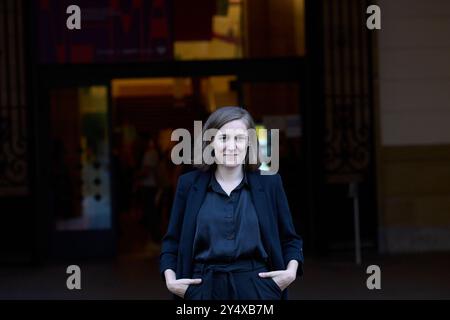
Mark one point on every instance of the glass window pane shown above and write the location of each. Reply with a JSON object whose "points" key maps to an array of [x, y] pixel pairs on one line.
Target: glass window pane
{"points": [[80, 162]]}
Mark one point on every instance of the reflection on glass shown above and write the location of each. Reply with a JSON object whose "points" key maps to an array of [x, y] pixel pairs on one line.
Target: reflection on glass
{"points": [[215, 91], [234, 29], [263, 147], [81, 165], [222, 38]]}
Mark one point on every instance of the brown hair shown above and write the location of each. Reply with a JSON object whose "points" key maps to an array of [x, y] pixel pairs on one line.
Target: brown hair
{"points": [[218, 119]]}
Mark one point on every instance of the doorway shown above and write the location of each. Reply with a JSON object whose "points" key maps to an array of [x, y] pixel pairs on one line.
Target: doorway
{"points": [[80, 177], [145, 111]]}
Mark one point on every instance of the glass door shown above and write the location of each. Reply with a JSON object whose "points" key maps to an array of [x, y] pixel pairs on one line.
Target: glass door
{"points": [[80, 172]]}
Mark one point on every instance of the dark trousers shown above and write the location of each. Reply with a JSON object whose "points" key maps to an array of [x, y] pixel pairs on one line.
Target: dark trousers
{"points": [[234, 281]]}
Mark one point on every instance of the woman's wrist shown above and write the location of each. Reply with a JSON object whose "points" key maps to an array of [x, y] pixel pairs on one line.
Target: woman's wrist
{"points": [[170, 276], [292, 268]]}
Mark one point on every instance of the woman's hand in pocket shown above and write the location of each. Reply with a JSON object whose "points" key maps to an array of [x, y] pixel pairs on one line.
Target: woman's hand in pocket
{"points": [[282, 278], [180, 286]]}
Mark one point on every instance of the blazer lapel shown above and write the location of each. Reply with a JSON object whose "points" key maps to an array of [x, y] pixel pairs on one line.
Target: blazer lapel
{"points": [[263, 209], [193, 204], [197, 195]]}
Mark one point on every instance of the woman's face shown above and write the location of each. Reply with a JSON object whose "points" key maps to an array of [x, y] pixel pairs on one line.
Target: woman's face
{"points": [[230, 144]]}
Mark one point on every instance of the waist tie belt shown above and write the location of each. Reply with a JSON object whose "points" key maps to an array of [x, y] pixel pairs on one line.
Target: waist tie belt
{"points": [[210, 270]]}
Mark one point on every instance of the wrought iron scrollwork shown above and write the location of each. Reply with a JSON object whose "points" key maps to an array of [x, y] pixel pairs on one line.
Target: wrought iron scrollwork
{"points": [[13, 146], [348, 123]]}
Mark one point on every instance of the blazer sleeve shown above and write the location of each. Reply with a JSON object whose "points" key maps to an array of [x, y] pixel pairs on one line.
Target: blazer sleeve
{"points": [[291, 242], [170, 242]]}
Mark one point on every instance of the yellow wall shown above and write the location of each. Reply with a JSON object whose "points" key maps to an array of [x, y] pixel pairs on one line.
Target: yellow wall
{"points": [[415, 198], [414, 131]]}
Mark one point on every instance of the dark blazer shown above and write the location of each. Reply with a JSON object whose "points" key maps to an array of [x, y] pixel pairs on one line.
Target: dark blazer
{"points": [[280, 240]]}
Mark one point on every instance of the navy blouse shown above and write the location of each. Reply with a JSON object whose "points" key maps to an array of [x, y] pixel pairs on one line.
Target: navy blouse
{"points": [[227, 226]]}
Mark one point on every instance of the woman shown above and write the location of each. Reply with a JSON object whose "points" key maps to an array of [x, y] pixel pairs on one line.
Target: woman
{"points": [[230, 234]]}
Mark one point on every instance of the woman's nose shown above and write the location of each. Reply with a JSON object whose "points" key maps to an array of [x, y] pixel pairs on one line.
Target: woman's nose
{"points": [[231, 145]]}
